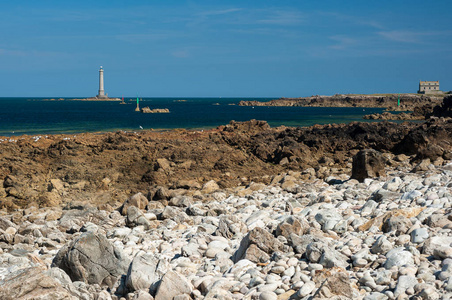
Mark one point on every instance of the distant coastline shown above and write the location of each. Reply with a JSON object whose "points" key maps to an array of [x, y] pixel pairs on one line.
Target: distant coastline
{"points": [[96, 99], [388, 101]]}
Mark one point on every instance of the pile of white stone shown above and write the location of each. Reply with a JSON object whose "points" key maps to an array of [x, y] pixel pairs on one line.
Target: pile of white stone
{"points": [[385, 238]]}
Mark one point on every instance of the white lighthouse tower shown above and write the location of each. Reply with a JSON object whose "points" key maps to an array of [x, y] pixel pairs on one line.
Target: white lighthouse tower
{"points": [[101, 94]]}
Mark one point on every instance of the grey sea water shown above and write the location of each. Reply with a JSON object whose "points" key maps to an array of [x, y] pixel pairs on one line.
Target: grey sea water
{"points": [[35, 116]]}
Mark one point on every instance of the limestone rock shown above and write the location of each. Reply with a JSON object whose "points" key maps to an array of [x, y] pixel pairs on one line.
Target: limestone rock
{"points": [[300, 244], [91, 258], [419, 235], [181, 201], [435, 242], [398, 257], [32, 283], [144, 273], [229, 226], [318, 252], [172, 285], [135, 217]]}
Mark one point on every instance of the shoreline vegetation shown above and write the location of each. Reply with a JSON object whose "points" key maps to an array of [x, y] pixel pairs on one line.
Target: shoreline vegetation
{"points": [[242, 211]]}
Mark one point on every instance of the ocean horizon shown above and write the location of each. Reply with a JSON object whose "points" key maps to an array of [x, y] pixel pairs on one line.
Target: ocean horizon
{"points": [[54, 115]]}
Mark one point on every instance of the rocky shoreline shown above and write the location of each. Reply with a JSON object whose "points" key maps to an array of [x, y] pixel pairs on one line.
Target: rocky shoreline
{"points": [[424, 112], [403, 116], [243, 211], [105, 169], [383, 238], [389, 101]]}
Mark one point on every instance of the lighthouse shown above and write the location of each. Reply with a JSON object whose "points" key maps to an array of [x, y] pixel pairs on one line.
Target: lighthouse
{"points": [[101, 84], [101, 95]]}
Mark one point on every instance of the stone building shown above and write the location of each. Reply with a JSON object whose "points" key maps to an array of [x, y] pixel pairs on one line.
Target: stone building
{"points": [[429, 87]]}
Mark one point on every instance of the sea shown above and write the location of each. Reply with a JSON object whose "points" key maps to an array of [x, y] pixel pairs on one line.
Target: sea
{"points": [[39, 116]]}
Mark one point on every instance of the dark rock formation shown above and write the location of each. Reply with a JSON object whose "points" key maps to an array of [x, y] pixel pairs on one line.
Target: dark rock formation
{"points": [[367, 163], [99, 170], [443, 110], [391, 116]]}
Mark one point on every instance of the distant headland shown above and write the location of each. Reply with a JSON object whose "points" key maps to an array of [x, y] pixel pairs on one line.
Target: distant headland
{"points": [[392, 102]]}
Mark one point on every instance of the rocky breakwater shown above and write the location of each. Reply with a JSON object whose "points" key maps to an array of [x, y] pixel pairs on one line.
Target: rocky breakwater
{"points": [[389, 101], [388, 237]]}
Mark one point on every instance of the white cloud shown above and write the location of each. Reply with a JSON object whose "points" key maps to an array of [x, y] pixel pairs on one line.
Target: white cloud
{"points": [[343, 42], [281, 17], [219, 12], [411, 36]]}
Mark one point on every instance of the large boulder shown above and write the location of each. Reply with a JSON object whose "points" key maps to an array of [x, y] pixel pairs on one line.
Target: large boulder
{"points": [[135, 217], [91, 258], [145, 272], [292, 225], [258, 244], [367, 163], [137, 200], [172, 285], [32, 283]]}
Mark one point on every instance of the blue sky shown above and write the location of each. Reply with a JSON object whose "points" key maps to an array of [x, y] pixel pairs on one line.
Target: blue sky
{"points": [[223, 48]]}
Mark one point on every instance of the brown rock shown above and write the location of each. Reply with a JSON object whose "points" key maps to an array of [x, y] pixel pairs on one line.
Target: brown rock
{"points": [[164, 164], [336, 283], [380, 220], [423, 166], [32, 283], [210, 187], [262, 239], [138, 200], [292, 225], [254, 254], [438, 220], [367, 163], [400, 224]]}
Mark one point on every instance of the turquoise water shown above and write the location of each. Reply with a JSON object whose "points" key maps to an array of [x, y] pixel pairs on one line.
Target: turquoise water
{"points": [[34, 116]]}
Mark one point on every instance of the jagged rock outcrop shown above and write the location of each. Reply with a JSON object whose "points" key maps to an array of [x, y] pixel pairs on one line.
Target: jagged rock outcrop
{"points": [[104, 170]]}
